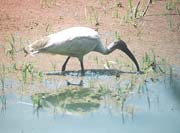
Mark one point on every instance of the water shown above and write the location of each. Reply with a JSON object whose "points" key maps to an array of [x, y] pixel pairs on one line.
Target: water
{"points": [[153, 108]]}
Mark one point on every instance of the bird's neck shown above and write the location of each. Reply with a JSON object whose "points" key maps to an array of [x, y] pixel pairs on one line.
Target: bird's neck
{"points": [[105, 50], [109, 49]]}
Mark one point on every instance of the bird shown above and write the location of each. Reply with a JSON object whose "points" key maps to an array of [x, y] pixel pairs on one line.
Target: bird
{"points": [[77, 42]]}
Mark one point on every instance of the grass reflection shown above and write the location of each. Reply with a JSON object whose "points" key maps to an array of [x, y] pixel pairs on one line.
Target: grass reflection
{"points": [[69, 100]]}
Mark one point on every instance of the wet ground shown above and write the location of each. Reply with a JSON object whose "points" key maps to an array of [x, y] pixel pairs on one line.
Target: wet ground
{"points": [[97, 102], [115, 100]]}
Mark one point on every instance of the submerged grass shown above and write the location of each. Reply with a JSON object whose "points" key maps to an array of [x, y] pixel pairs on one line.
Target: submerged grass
{"points": [[3, 96]]}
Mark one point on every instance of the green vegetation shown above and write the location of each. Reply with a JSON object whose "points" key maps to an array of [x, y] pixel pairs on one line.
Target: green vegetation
{"points": [[79, 99], [109, 64], [2, 86], [96, 59], [28, 72], [117, 36], [116, 9], [130, 16], [11, 50], [171, 5], [92, 16], [54, 66], [150, 64], [28, 69], [47, 3], [131, 8]]}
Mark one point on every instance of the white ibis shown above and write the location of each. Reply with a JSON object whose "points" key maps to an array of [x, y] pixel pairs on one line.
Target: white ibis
{"points": [[77, 42]]}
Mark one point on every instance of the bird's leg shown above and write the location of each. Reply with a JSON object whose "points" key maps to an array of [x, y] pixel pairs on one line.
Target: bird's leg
{"points": [[64, 65], [82, 67]]}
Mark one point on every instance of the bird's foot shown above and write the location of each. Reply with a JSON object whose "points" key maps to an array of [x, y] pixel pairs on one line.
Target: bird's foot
{"points": [[63, 71], [139, 72], [63, 68], [82, 73]]}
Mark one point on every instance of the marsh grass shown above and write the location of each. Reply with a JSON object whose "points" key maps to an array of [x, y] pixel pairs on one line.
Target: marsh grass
{"points": [[116, 11], [54, 65], [135, 12], [14, 67], [15, 45], [40, 75], [27, 71], [154, 69], [92, 16], [96, 59], [11, 49], [117, 36], [149, 62], [129, 17], [170, 23], [48, 28], [171, 5], [47, 3], [74, 99], [3, 99], [3, 95], [110, 64], [131, 8], [170, 75], [178, 10]]}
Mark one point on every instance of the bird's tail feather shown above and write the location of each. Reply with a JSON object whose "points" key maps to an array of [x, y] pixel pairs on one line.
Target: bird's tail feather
{"points": [[37, 46]]}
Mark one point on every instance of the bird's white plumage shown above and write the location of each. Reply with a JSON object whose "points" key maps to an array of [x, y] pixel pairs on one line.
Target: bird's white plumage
{"points": [[71, 33], [76, 41]]}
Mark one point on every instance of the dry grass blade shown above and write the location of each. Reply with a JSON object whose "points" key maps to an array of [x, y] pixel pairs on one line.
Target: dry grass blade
{"points": [[136, 9], [147, 7]]}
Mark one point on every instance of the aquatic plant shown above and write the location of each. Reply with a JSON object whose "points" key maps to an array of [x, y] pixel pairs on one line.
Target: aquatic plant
{"points": [[170, 74], [40, 75], [11, 50], [149, 62], [3, 96], [28, 69]]}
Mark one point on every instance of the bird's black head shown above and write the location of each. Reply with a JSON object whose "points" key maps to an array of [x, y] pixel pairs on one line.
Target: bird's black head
{"points": [[121, 45]]}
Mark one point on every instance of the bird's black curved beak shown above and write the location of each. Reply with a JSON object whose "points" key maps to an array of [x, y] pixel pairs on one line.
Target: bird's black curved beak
{"points": [[126, 50]]}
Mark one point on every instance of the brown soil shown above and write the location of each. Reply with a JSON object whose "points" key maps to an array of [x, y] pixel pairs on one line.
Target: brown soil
{"points": [[28, 20]]}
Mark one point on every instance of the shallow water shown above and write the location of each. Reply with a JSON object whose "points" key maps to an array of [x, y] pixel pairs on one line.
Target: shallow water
{"points": [[73, 103]]}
